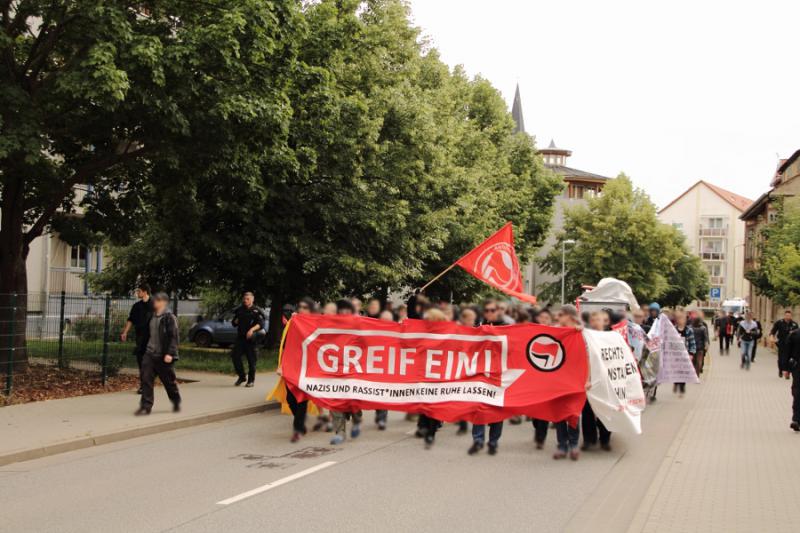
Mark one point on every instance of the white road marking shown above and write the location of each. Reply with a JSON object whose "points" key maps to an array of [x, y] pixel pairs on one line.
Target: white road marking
{"points": [[278, 483]]}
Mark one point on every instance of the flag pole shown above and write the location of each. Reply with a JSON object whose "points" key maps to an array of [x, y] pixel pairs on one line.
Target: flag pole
{"points": [[439, 275]]}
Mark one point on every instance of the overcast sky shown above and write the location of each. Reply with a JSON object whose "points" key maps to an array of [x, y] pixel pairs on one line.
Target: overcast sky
{"points": [[668, 92]]}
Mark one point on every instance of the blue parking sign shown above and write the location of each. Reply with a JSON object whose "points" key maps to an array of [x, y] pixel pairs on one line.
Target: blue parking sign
{"points": [[716, 293]]}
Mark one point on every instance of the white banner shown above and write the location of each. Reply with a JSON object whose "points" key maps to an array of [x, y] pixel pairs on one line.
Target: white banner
{"points": [[616, 394]]}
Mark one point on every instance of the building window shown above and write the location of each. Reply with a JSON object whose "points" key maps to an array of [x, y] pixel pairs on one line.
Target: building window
{"points": [[678, 225], [772, 216], [78, 257], [715, 222]]}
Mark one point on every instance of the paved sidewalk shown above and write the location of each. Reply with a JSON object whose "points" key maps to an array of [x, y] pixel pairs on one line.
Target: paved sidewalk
{"points": [[734, 464], [39, 429]]}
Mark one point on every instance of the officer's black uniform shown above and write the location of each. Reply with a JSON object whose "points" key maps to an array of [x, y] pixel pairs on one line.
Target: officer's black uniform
{"points": [[792, 364], [139, 317], [245, 318], [781, 331]]}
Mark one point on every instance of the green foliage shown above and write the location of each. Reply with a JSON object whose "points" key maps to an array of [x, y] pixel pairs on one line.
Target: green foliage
{"points": [[125, 97], [778, 274], [393, 167], [618, 234], [92, 327]]}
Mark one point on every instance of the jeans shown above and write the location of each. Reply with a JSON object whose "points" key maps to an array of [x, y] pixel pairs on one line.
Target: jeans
{"points": [[479, 433], [381, 415], [747, 351], [567, 436]]}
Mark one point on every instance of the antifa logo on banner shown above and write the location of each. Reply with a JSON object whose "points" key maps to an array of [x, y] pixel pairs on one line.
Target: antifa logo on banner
{"points": [[545, 353], [496, 265]]}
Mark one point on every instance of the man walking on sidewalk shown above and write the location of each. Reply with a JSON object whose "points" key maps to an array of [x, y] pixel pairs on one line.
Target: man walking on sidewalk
{"points": [[161, 352], [248, 319], [780, 335], [791, 365], [137, 319]]}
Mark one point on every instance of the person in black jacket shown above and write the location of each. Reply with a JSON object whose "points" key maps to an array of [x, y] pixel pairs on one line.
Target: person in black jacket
{"points": [[137, 319], [780, 335], [792, 366], [248, 319], [161, 352]]}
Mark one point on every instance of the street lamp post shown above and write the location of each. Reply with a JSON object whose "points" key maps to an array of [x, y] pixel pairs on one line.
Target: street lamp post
{"points": [[564, 244]]}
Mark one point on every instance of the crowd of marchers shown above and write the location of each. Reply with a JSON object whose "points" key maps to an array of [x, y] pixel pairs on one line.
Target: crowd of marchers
{"points": [[156, 349]]}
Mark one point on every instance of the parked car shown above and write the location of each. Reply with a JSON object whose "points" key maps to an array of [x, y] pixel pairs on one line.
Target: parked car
{"points": [[219, 331]]}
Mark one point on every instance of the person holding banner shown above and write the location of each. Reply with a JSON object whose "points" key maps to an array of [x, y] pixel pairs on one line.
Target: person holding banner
{"points": [[492, 316], [346, 307], [540, 427], [427, 425], [590, 424], [567, 435], [688, 338]]}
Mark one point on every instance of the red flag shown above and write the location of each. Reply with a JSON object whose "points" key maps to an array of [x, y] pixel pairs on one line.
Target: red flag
{"points": [[495, 263]]}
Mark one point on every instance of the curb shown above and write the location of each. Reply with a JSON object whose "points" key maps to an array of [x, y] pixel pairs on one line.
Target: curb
{"points": [[132, 433]]}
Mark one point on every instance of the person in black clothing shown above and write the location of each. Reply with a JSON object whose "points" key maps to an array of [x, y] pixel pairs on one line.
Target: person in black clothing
{"points": [[702, 343], [652, 314], [306, 306], [248, 319], [161, 352], [137, 319], [780, 335], [792, 367], [591, 426], [491, 317]]}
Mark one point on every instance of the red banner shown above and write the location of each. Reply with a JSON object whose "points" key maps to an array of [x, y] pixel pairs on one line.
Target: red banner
{"points": [[495, 263], [444, 370]]}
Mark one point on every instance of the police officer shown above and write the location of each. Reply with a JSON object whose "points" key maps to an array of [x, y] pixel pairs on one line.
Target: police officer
{"points": [[138, 319], [780, 335], [248, 319]]}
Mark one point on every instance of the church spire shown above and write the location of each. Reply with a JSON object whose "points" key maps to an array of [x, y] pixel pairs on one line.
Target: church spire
{"points": [[516, 112]]}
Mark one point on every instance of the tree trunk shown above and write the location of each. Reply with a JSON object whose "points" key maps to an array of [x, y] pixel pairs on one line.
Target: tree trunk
{"points": [[13, 291], [275, 323]]}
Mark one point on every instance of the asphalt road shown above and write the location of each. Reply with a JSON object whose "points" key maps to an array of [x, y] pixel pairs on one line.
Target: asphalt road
{"points": [[382, 481]]}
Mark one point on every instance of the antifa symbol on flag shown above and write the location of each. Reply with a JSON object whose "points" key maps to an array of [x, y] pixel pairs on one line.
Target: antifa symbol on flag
{"points": [[545, 353], [495, 262]]}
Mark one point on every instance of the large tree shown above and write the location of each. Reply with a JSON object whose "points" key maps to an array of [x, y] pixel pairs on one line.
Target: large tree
{"points": [[397, 165], [117, 96], [618, 234], [778, 272]]}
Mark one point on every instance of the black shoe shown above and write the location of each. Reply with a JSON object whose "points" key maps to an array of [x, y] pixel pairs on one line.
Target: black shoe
{"points": [[239, 381], [429, 440], [176, 407], [515, 420], [795, 425], [492, 449], [249, 384], [140, 391], [475, 448], [420, 433], [606, 446], [142, 411]]}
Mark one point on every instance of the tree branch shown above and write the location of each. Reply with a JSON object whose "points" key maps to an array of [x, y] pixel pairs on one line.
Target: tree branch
{"points": [[82, 175]]}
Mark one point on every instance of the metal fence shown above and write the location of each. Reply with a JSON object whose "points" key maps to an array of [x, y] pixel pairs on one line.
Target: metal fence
{"points": [[56, 337]]}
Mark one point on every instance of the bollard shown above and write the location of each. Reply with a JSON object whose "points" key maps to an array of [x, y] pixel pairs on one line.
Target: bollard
{"points": [[61, 361], [106, 331], [11, 344]]}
